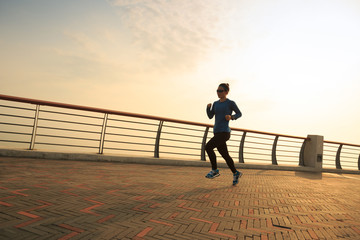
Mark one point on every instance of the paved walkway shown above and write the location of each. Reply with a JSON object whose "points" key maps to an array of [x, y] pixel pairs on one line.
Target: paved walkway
{"points": [[48, 199]]}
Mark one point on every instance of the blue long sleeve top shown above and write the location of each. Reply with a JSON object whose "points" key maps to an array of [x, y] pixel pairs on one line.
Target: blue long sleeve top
{"points": [[220, 110]]}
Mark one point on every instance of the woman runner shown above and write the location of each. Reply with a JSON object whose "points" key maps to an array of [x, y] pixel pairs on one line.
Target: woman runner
{"points": [[222, 109]]}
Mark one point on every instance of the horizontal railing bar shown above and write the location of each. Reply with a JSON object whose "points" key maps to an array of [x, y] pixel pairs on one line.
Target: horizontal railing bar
{"points": [[176, 140], [64, 145], [258, 148], [232, 145], [93, 109], [344, 161], [269, 154], [287, 151], [328, 155], [237, 135], [120, 120], [343, 152], [289, 146], [162, 145], [16, 124], [260, 160], [280, 155], [21, 108], [67, 129], [71, 122], [230, 140], [229, 145], [330, 151], [265, 160], [268, 144], [56, 136], [283, 140], [188, 154], [182, 128], [348, 157], [344, 144], [133, 143], [71, 114], [15, 133], [125, 135], [331, 146], [345, 147], [14, 141], [270, 139], [180, 134], [133, 129], [263, 154], [11, 115], [125, 149]]}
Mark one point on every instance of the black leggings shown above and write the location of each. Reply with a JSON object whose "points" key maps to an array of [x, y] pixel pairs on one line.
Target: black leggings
{"points": [[219, 142]]}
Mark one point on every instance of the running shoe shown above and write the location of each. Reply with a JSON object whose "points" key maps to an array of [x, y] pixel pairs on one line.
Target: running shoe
{"points": [[237, 175], [213, 174]]}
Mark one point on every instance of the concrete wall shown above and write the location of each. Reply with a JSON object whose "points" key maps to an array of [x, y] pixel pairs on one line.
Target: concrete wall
{"points": [[17, 153]]}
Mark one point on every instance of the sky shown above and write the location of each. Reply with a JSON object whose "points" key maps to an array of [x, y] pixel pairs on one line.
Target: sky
{"points": [[293, 66]]}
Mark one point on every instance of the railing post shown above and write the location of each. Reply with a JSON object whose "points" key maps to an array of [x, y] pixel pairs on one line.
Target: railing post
{"points": [[102, 136], [313, 152], [33, 135], [302, 151], [273, 153], [203, 155], [337, 160], [241, 148], [359, 162], [157, 142]]}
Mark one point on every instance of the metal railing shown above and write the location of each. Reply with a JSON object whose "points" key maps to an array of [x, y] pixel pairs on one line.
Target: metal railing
{"points": [[341, 155], [37, 124]]}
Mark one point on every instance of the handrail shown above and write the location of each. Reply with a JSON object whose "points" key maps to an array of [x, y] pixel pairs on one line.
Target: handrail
{"points": [[108, 111], [341, 143]]}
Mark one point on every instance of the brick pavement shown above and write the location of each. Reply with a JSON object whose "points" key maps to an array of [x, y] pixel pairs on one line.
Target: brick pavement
{"points": [[48, 199]]}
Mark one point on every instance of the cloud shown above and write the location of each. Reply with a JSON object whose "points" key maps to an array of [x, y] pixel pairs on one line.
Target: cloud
{"points": [[139, 40], [172, 34]]}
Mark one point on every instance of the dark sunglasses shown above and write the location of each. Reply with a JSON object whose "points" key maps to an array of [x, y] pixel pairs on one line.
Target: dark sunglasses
{"points": [[220, 91]]}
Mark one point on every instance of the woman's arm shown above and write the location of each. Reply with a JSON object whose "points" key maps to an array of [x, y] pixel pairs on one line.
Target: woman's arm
{"points": [[210, 111], [235, 108]]}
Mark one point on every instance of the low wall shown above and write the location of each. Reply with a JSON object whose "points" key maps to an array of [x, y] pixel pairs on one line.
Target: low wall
{"points": [[19, 153]]}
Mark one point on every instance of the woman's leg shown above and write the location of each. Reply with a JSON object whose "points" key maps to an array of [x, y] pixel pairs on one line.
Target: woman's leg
{"points": [[210, 151], [223, 150]]}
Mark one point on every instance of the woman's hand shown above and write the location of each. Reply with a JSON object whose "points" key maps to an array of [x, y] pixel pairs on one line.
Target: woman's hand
{"points": [[228, 117], [209, 105]]}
